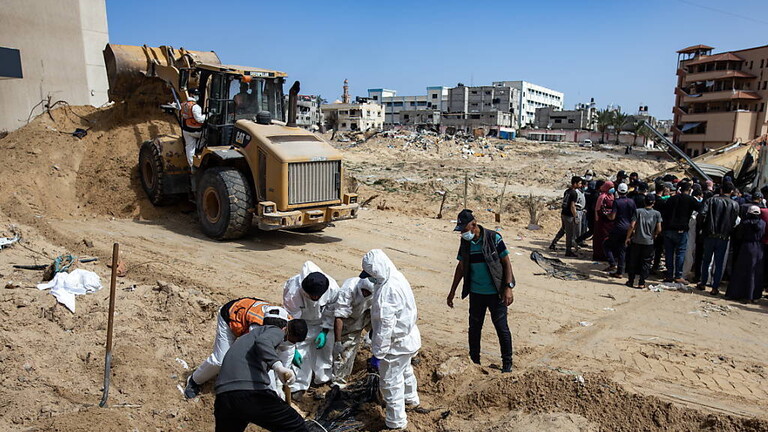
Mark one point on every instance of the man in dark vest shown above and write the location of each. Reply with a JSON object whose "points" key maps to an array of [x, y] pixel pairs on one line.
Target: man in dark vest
{"points": [[488, 281]]}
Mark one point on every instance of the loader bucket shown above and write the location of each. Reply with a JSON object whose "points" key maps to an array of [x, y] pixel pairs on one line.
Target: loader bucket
{"points": [[132, 71]]}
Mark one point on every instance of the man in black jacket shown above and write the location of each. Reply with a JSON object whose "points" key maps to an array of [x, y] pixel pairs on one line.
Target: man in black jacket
{"points": [[719, 219], [677, 216], [242, 388], [488, 281]]}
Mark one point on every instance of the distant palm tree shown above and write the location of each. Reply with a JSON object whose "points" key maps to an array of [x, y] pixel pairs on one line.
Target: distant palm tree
{"points": [[620, 120], [604, 119], [637, 127]]}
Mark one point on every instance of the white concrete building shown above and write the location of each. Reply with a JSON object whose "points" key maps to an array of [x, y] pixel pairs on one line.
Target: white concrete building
{"points": [[532, 96], [353, 116], [58, 46], [436, 99]]}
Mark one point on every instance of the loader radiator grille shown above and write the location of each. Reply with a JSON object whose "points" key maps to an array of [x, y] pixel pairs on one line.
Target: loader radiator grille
{"points": [[311, 182]]}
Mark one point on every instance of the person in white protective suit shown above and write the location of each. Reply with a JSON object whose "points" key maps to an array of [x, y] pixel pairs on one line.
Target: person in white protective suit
{"points": [[353, 315], [396, 338], [312, 295], [235, 319]]}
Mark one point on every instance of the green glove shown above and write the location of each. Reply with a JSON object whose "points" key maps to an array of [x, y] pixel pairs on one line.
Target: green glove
{"points": [[297, 360], [320, 340]]}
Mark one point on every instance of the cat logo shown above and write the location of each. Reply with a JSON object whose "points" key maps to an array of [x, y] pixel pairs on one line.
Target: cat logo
{"points": [[242, 138]]}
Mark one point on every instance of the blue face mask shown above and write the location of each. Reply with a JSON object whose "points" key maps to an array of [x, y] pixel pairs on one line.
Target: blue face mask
{"points": [[468, 235], [611, 190], [372, 280]]}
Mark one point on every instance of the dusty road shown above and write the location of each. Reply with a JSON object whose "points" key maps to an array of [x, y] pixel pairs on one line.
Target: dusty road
{"points": [[683, 347]]}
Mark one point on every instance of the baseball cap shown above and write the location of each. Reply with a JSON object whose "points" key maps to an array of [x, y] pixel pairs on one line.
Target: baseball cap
{"points": [[622, 188], [465, 217], [754, 210], [589, 172], [650, 199], [315, 284]]}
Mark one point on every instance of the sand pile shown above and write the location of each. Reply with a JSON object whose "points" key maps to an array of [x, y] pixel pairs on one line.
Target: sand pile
{"points": [[48, 172]]}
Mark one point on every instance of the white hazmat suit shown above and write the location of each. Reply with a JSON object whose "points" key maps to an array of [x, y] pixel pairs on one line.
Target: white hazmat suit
{"points": [[396, 338], [354, 309], [319, 315]]}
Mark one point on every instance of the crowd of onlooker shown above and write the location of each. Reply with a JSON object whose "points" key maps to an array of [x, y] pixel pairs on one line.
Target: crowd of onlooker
{"points": [[705, 232]]}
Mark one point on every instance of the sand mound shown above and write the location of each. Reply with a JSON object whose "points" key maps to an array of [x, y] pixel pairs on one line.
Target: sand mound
{"points": [[48, 172], [467, 397]]}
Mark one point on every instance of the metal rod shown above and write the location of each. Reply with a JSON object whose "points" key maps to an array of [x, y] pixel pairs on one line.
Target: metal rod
{"points": [[466, 184], [110, 323]]}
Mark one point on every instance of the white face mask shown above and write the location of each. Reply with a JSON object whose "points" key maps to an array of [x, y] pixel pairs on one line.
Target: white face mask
{"points": [[587, 177], [468, 235]]}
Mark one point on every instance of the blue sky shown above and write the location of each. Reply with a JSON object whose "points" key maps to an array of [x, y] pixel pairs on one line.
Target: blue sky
{"points": [[620, 52]]}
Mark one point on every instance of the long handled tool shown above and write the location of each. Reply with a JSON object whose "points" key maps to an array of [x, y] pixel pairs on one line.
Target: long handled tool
{"points": [[108, 356], [287, 391]]}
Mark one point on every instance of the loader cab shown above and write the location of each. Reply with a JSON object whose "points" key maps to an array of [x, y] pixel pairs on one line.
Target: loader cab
{"points": [[229, 94]]}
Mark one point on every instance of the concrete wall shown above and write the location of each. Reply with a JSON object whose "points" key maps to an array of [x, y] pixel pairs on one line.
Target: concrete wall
{"points": [[722, 128], [60, 43]]}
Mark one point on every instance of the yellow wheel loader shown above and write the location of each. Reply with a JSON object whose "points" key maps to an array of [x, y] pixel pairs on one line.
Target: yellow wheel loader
{"points": [[250, 163]]}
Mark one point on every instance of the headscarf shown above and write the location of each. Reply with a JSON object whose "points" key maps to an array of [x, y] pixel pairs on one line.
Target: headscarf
{"points": [[604, 199]]}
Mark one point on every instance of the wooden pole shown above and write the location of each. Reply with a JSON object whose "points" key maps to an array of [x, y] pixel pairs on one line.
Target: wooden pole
{"points": [[110, 325], [442, 203], [501, 198]]}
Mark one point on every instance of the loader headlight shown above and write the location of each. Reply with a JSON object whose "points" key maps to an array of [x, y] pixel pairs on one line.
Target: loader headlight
{"points": [[349, 198], [267, 207]]}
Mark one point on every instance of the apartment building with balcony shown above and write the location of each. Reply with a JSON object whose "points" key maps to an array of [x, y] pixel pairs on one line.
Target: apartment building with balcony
{"points": [[719, 98]]}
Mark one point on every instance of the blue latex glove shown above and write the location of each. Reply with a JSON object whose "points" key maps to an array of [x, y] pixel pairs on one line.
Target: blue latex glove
{"points": [[374, 362], [297, 360], [320, 340]]}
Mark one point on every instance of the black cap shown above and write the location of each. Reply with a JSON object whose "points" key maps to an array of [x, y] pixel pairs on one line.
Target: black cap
{"points": [[621, 174], [650, 199], [315, 284], [364, 275], [465, 217]]}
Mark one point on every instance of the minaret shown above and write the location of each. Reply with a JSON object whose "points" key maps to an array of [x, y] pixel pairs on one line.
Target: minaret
{"points": [[345, 96]]}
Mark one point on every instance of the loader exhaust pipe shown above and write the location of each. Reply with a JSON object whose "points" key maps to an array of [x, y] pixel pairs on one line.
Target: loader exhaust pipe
{"points": [[293, 101]]}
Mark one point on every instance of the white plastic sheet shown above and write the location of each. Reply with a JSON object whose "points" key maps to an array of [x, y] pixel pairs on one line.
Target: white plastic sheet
{"points": [[65, 286]]}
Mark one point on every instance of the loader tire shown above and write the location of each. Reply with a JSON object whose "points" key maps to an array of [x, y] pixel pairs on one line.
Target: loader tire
{"points": [[224, 203], [151, 172]]}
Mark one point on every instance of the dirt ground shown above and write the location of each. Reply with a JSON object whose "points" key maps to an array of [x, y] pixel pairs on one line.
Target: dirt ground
{"points": [[590, 355]]}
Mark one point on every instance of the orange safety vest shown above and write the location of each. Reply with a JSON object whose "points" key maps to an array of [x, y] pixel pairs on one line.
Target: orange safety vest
{"points": [[188, 117], [246, 312]]}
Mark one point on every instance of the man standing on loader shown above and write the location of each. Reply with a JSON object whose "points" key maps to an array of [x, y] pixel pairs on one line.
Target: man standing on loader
{"points": [[192, 119]]}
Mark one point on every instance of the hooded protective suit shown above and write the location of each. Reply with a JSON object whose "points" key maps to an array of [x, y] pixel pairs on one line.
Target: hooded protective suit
{"points": [[354, 309], [319, 315], [396, 338]]}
